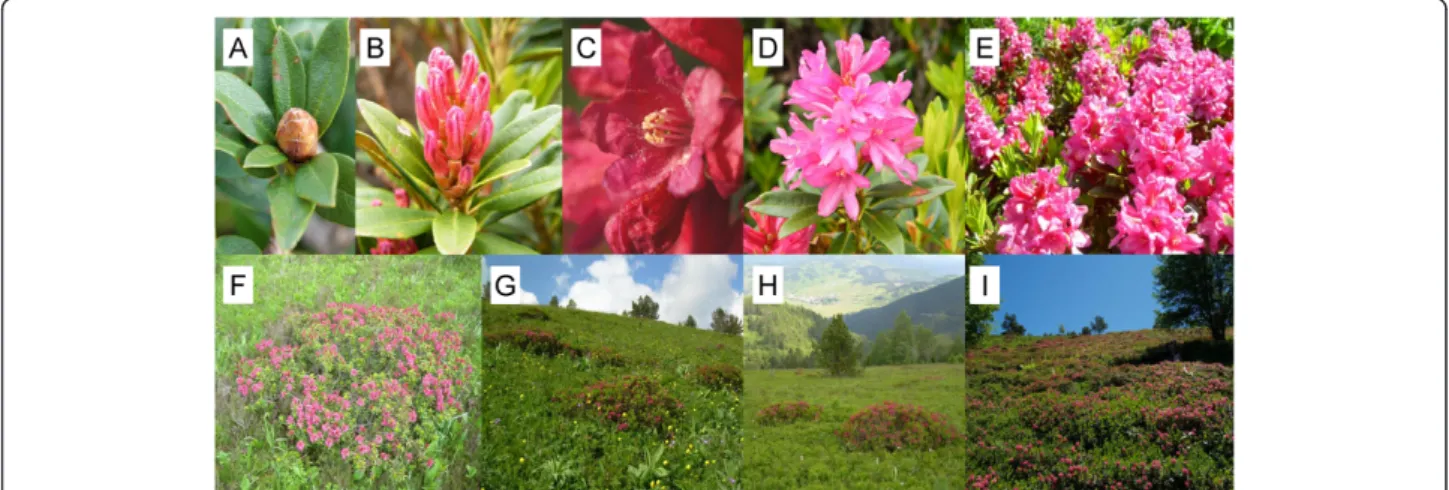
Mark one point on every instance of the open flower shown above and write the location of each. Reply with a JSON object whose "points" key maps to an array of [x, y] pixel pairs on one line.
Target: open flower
{"points": [[1153, 221], [667, 146], [1042, 217], [453, 115], [766, 238]]}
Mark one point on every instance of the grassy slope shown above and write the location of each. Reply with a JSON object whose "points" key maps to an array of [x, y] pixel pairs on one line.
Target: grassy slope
{"points": [[530, 443], [287, 288], [1101, 409], [808, 454]]}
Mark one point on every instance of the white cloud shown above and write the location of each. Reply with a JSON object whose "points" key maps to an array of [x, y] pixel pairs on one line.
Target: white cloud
{"points": [[561, 280], [695, 285], [609, 288], [529, 298], [567, 262]]}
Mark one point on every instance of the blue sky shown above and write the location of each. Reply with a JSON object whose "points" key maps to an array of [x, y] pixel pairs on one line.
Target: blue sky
{"points": [[1045, 291], [683, 285]]}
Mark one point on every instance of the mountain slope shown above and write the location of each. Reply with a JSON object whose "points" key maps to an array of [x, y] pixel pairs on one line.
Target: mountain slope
{"points": [[939, 308]]}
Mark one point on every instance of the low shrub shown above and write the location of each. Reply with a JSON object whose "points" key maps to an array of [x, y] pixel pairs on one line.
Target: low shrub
{"points": [[540, 343], [787, 412], [366, 384], [720, 377], [893, 426], [628, 402]]}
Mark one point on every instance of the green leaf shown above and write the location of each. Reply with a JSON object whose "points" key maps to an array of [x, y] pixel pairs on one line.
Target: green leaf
{"points": [[517, 102], [289, 74], [801, 220], [453, 232], [393, 222], [343, 212], [245, 109], [236, 245], [328, 76], [317, 180], [339, 135], [521, 135], [882, 228], [491, 244], [784, 204], [926, 188], [227, 167], [265, 156], [230, 143], [844, 242], [501, 171], [289, 212], [402, 149], [264, 31], [536, 53], [524, 190]]}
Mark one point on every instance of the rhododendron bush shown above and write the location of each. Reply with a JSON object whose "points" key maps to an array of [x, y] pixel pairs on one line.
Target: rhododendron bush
{"points": [[1100, 136], [852, 145], [653, 144], [481, 171], [284, 139]]}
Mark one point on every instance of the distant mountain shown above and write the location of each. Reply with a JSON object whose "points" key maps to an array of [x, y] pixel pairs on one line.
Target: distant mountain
{"points": [[940, 308], [839, 285]]}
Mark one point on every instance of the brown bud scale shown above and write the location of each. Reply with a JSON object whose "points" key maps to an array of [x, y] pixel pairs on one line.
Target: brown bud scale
{"points": [[297, 135]]}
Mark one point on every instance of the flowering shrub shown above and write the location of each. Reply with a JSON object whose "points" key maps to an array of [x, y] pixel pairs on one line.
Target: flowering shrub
{"points": [[482, 152], [720, 376], [363, 384], [846, 133], [1137, 128], [629, 402], [541, 343], [787, 413], [280, 159], [892, 427], [654, 158]]}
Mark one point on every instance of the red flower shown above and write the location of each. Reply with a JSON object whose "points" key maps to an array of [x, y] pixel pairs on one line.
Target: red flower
{"points": [[667, 146], [767, 240]]}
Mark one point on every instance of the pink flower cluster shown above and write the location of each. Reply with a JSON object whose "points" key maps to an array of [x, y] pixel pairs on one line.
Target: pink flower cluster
{"points": [[1042, 217], [1168, 123], [453, 115], [892, 426], [361, 378], [767, 240], [851, 117]]}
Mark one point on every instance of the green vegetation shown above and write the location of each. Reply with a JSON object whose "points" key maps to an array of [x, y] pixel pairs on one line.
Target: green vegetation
{"points": [[804, 452], [253, 449], [577, 399]]}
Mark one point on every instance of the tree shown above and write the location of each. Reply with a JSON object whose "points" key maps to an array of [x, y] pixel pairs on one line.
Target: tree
{"points": [[644, 307], [978, 317], [1009, 326], [726, 323], [689, 322], [1098, 325], [1062, 329], [1086, 330], [838, 351], [572, 305], [1195, 291], [553, 301]]}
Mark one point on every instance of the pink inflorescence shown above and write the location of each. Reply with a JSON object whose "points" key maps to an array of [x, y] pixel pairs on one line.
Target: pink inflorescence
{"points": [[850, 118], [453, 115], [1042, 216]]}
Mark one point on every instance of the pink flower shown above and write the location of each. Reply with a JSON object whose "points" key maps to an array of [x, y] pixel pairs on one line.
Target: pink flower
{"points": [[301, 445], [1041, 216], [453, 116], [1153, 221], [1217, 224], [767, 240], [346, 452], [1095, 139], [838, 188], [986, 140]]}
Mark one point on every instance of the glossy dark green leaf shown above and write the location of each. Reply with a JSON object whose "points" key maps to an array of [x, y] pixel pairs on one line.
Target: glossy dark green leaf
{"points": [[882, 228], [236, 245], [290, 212], [227, 166], [501, 171], [343, 212], [783, 203], [522, 135], [264, 32], [453, 232], [328, 73], [289, 74], [339, 137], [801, 220], [926, 188], [843, 243], [393, 222], [524, 190], [229, 141], [491, 244], [317, 180], [245, 109], [264, 156], [398, 140]]}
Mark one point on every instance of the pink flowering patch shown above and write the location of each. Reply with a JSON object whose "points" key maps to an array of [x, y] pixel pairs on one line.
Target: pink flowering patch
{"points": [[787, 413], [360, 381], [630, 402], [892, 427]]}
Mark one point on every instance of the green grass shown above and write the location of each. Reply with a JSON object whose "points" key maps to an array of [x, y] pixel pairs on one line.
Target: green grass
{"points": [[529, 441], [252, 449], [809, 455]]}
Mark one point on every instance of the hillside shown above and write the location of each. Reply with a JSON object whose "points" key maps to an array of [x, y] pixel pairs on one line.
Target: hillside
{"points": [[577, 399], [939, 308], [849, 284], [775, 331]]}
